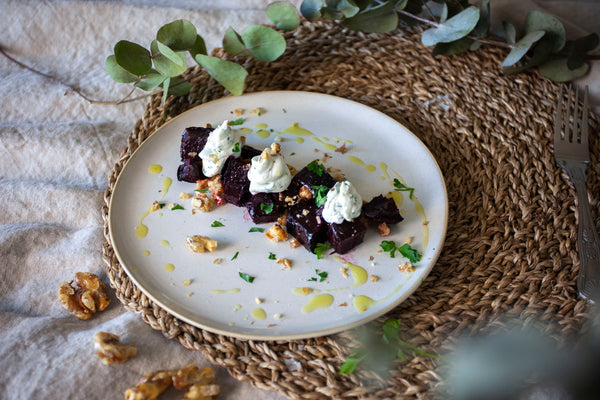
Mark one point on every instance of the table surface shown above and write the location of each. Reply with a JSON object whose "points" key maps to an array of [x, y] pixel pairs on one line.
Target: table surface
{"points": [[56, 151]]}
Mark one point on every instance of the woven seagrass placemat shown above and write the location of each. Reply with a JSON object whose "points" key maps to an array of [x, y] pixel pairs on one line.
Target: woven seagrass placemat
{"points": [[511, 244]]}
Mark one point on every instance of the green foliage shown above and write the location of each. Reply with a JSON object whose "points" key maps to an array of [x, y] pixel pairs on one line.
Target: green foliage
{"points": [[283, 15]]}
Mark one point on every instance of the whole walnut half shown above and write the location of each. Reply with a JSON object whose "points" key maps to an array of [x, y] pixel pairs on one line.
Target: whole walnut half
{"points": [[86, 297]]}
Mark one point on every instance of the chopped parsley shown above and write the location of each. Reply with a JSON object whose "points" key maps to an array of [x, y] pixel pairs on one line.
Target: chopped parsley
{"points": [[352, 361], [235, 255], [246, 277], [401, 187], [272, 256], [405, 250], [267, 208], [236, 147], [321, 248], [238, 121], [177, 207], [316, 167], [320, 194], [216, 224], [321, 276], [201, 190], [256, 229]]}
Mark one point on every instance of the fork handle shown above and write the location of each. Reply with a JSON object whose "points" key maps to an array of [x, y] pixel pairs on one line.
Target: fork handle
{"points": [[588, 281]]}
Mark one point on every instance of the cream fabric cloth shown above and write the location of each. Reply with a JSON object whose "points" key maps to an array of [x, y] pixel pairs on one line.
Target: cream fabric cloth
{"points": [[56, 151]]}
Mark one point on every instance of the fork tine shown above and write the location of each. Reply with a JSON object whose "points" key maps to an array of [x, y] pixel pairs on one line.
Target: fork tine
{"points": [[584, 118], [568, 129], [558, 119]]}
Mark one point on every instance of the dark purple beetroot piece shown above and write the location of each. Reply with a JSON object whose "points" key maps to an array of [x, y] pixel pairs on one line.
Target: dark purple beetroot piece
{"points": [[305, 223], [234, 177], [263, 207], [248, 152], [382, 209], [190, 170], [308, 178], [193, 140], [347, 235]]}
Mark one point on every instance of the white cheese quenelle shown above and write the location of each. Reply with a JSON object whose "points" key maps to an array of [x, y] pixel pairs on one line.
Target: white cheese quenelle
{"points": [[343, 203], [268, 172], [222, 142]]}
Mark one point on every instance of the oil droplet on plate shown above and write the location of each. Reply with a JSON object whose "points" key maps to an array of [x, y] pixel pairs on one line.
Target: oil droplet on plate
{"points": [[371, 168], [155, 169], [223, 291], [299, 140], [166, 184], [294, 129], [245, 130], [165, 243], [259, 314], [169, 267], [328, 146], [318, 301], [263, 134], [261, 126], [141, 231], [356, 160], [363, 303], [146, 253]]}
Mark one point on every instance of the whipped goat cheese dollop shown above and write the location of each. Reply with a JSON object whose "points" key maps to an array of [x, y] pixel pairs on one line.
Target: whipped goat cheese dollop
{"points": [[268, 172], [343, 203], [221, 143]]}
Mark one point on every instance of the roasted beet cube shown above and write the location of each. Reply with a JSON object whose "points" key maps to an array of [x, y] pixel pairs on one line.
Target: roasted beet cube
{"points": [[382, 209], [305, 223], [248, 152], [347, 235], [310, 179], [193, 140], [190, 170], [263, 207], [234, 177]]}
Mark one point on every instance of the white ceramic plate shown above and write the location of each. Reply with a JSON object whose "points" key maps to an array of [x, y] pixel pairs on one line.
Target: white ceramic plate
{"points": [[206, 290]]}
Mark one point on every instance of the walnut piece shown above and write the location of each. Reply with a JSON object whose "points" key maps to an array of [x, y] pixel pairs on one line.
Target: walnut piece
{"points": [[383, 229], [192, 375], [88, 296], [277, 233], [151, 385], [202, 202], [110, 349], [200, 244]]}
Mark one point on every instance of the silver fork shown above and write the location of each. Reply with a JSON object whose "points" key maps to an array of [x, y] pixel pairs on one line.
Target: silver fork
{"points": [[571, 152]]}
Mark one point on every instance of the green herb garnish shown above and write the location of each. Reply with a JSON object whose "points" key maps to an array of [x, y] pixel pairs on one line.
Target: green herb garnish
{"points": [[236, 147], [201, 190], [267, 208], [316, 167], [401, 187], [320, 195], [352, 361], [321, 248], [256, 229], [235, 255], [405, 250], [238, 121], [246, 277], [321, 276], [272, 256], [216, 224], [177, 207]]}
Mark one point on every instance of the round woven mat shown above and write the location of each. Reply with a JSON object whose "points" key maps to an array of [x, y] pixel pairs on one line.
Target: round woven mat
{"points": [[511, 244]]}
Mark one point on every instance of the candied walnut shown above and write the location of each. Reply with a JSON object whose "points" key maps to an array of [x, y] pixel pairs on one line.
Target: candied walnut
{"points": [[88, 296], [305, 193], [200, 244], [202, 202], [202, 392], [215, 188], [384, 229], [406, 267], [287, 263], [342, 149], [294, 243], [192, 375], [275, 148], [277, 233], [110, 349], [150, 386]]}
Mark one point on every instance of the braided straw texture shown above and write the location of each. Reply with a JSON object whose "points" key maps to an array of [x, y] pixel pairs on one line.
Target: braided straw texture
{"points": [[510, 251]]}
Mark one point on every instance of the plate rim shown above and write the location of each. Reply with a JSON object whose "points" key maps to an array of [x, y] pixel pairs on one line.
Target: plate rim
{"points": [[305, 335]]}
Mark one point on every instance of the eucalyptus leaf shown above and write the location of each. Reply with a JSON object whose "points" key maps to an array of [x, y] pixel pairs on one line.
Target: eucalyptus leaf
{"points": [[379, 19], [170, 54], [118, 73], [558, 70], [555, 31], [150, 81], [179, 87], [264, 43], [283, 15], [311, 9], [483, 25], [578, 49], [346, 7], [132, 57], [510, 32], [165, 85], [199, 46], [541, 52], [453, 29], [229, 74], [178, 35], [233, 43], [522, 47], [164, 65], [458, 46], [444, 13]]}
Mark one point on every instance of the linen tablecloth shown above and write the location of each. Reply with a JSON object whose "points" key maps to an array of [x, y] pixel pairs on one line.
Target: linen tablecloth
{"points": [[56, 151]]}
